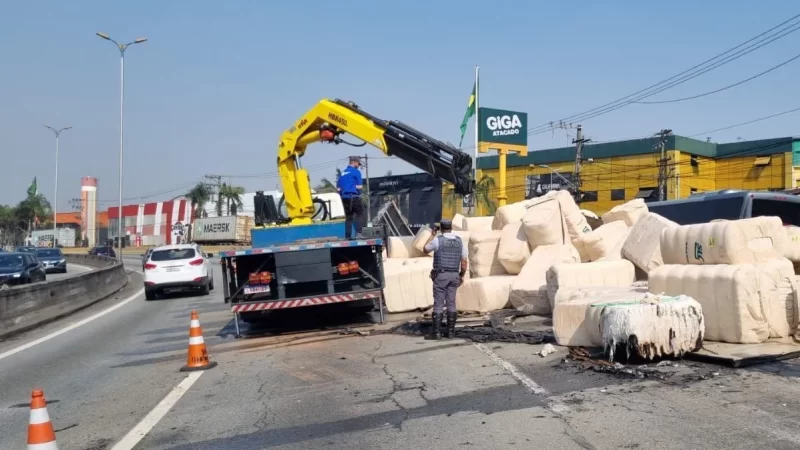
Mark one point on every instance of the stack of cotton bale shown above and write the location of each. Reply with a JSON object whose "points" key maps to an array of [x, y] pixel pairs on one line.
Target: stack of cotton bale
{"points": [[737, 271], [543, 237]]}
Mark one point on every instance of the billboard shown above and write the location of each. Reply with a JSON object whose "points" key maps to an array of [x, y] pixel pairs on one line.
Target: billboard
{"points": [[502, 127]]}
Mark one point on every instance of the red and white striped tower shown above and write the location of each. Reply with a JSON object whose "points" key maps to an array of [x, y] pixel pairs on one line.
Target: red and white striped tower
{"points": [[89, 209]]}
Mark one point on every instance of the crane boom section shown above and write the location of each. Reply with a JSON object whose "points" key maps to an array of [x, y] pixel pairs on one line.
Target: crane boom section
{"points": [[329, 119]]}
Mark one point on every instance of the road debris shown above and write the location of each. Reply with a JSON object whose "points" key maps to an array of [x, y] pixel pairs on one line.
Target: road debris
{"points": [[546, 350], [479, 333]]}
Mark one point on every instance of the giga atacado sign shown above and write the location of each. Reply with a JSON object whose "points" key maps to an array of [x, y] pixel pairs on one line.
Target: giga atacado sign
{"points": [[501, 126]]}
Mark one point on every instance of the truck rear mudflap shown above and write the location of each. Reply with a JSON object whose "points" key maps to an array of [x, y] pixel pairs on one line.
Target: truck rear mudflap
{"points": [[305, 301]]}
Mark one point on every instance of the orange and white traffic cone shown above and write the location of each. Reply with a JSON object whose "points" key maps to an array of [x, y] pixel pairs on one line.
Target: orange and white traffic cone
{"points": [[198, 354], [40, 430]]}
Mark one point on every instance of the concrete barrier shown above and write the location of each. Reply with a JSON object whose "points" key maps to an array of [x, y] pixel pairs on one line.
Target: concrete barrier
{"points": [[26, 307]]}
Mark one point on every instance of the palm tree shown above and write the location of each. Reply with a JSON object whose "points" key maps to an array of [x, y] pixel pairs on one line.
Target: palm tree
{"points": [[325, 185], [199, 196], [32, 210], [483, 190], [233, 197]]}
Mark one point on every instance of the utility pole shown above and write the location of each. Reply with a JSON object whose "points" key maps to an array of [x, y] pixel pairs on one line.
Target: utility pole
{"points": [[662, 163], [366, 184], [578, 141], [218, 179]]}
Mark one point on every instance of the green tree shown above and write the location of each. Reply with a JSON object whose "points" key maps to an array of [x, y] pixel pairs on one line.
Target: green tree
{"points": [[232, 196], [484, 189], [199, 196], [34, 210], [326, 186]]}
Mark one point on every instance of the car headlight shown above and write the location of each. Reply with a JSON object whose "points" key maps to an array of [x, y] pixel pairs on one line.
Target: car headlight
{"points": [[16, 275], [62, 261]]}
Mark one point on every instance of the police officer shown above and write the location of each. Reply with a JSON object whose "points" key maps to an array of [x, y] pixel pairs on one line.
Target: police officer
{"points": [[449, 267], [349, 186]]}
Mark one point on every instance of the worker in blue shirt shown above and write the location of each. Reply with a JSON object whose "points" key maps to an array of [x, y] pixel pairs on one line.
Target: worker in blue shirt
{"points": [[349, 186]]}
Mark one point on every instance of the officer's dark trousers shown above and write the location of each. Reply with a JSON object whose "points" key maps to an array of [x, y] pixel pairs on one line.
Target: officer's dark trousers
{"points": [[444, 291], [352, 216]]}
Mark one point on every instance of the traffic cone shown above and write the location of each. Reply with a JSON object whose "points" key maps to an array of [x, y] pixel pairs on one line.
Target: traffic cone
{"points": [[198, 354], [40, 430]]}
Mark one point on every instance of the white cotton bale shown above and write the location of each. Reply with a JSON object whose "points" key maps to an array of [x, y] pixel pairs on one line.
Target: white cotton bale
{"points": [[513, 250], [484, 294], [642, 247], [654, 327], [629, 212], [529, 291], [483, 257], [423, 234], [616, 252], [576, 323], [573, 218], [507, 214], [483, 223], [458, 222], [599, 274], [780, 287], [742, 302], [602, 241], [408, 285], [402, 247], [791, 250], [544, 224], [731, 242]]}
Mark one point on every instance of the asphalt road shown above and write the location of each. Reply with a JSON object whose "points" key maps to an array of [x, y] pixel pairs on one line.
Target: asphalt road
{"points": [[115, 378], [72, 270]]}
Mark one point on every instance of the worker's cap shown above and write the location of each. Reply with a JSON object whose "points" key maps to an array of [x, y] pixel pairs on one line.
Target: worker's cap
{"points": [[444, 223], [355, 159]]}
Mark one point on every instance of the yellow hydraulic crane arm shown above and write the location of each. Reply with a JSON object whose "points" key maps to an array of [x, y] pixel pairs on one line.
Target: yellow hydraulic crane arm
{"points": [[329, 119]]}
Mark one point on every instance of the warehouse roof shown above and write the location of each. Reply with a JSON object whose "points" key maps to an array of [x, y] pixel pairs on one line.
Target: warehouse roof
{"points": [[648, 145]]}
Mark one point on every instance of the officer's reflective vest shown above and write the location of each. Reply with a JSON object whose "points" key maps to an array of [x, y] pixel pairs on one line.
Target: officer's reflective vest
{"points": [[447, 257]]}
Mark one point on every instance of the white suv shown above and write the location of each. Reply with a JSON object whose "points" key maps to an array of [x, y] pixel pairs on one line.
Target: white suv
{"points": [[180, 266]]}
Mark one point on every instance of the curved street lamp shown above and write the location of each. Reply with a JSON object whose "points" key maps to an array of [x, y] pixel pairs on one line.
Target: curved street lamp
{"points": [[55, 198], [121, 48]]}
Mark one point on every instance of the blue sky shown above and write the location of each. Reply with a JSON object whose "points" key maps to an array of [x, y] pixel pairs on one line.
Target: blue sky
{"points": [[217, 82]]}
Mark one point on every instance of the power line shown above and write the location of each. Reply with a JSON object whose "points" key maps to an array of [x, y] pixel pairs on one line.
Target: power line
{"points": [[680, 77], [746, 123], [724, 88]]}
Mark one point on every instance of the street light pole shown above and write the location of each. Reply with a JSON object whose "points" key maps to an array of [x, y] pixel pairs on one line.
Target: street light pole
{"points": [[121, 48], [55, 198]]}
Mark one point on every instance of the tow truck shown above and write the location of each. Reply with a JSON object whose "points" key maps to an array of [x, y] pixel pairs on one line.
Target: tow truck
{"points": [[297, 261]]}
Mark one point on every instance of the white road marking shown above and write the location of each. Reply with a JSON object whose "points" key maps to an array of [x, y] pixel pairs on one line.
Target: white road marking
{"points": [[511, 369], [75, 325], [141, 429], [83, 268]]}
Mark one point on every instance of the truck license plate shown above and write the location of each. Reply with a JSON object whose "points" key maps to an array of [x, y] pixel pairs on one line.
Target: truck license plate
{"points": [[256, 289]]}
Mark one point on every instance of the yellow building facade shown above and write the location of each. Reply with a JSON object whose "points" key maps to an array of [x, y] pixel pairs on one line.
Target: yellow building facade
{"points": [[616, 172]]}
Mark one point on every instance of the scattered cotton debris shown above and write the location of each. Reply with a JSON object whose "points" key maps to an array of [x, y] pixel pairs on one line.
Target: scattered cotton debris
{"points": [[546, 350]]}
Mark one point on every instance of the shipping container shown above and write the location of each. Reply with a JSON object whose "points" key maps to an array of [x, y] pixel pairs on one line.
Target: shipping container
{"points": [[228, 229]]}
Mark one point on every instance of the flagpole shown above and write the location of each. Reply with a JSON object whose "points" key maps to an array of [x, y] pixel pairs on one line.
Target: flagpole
{"points": [[477, 125]]}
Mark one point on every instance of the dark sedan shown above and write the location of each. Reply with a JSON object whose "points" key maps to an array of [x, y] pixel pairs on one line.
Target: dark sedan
{"points": [[103, 251], [27, 249], [20, 268], [52, 259]]}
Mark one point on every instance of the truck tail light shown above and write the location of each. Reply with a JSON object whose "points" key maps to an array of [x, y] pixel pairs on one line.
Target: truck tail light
{"points": [[353, 265], [343, 268], [150, 266], [260, 278], [196, 262]]}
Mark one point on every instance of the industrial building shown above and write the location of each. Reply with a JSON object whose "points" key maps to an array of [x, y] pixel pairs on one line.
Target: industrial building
{"points": [[615, 172], [154, 223]]}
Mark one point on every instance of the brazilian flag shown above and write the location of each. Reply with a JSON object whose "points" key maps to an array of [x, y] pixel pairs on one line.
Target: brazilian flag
{"points": [[33, 189], [470, 112]]}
